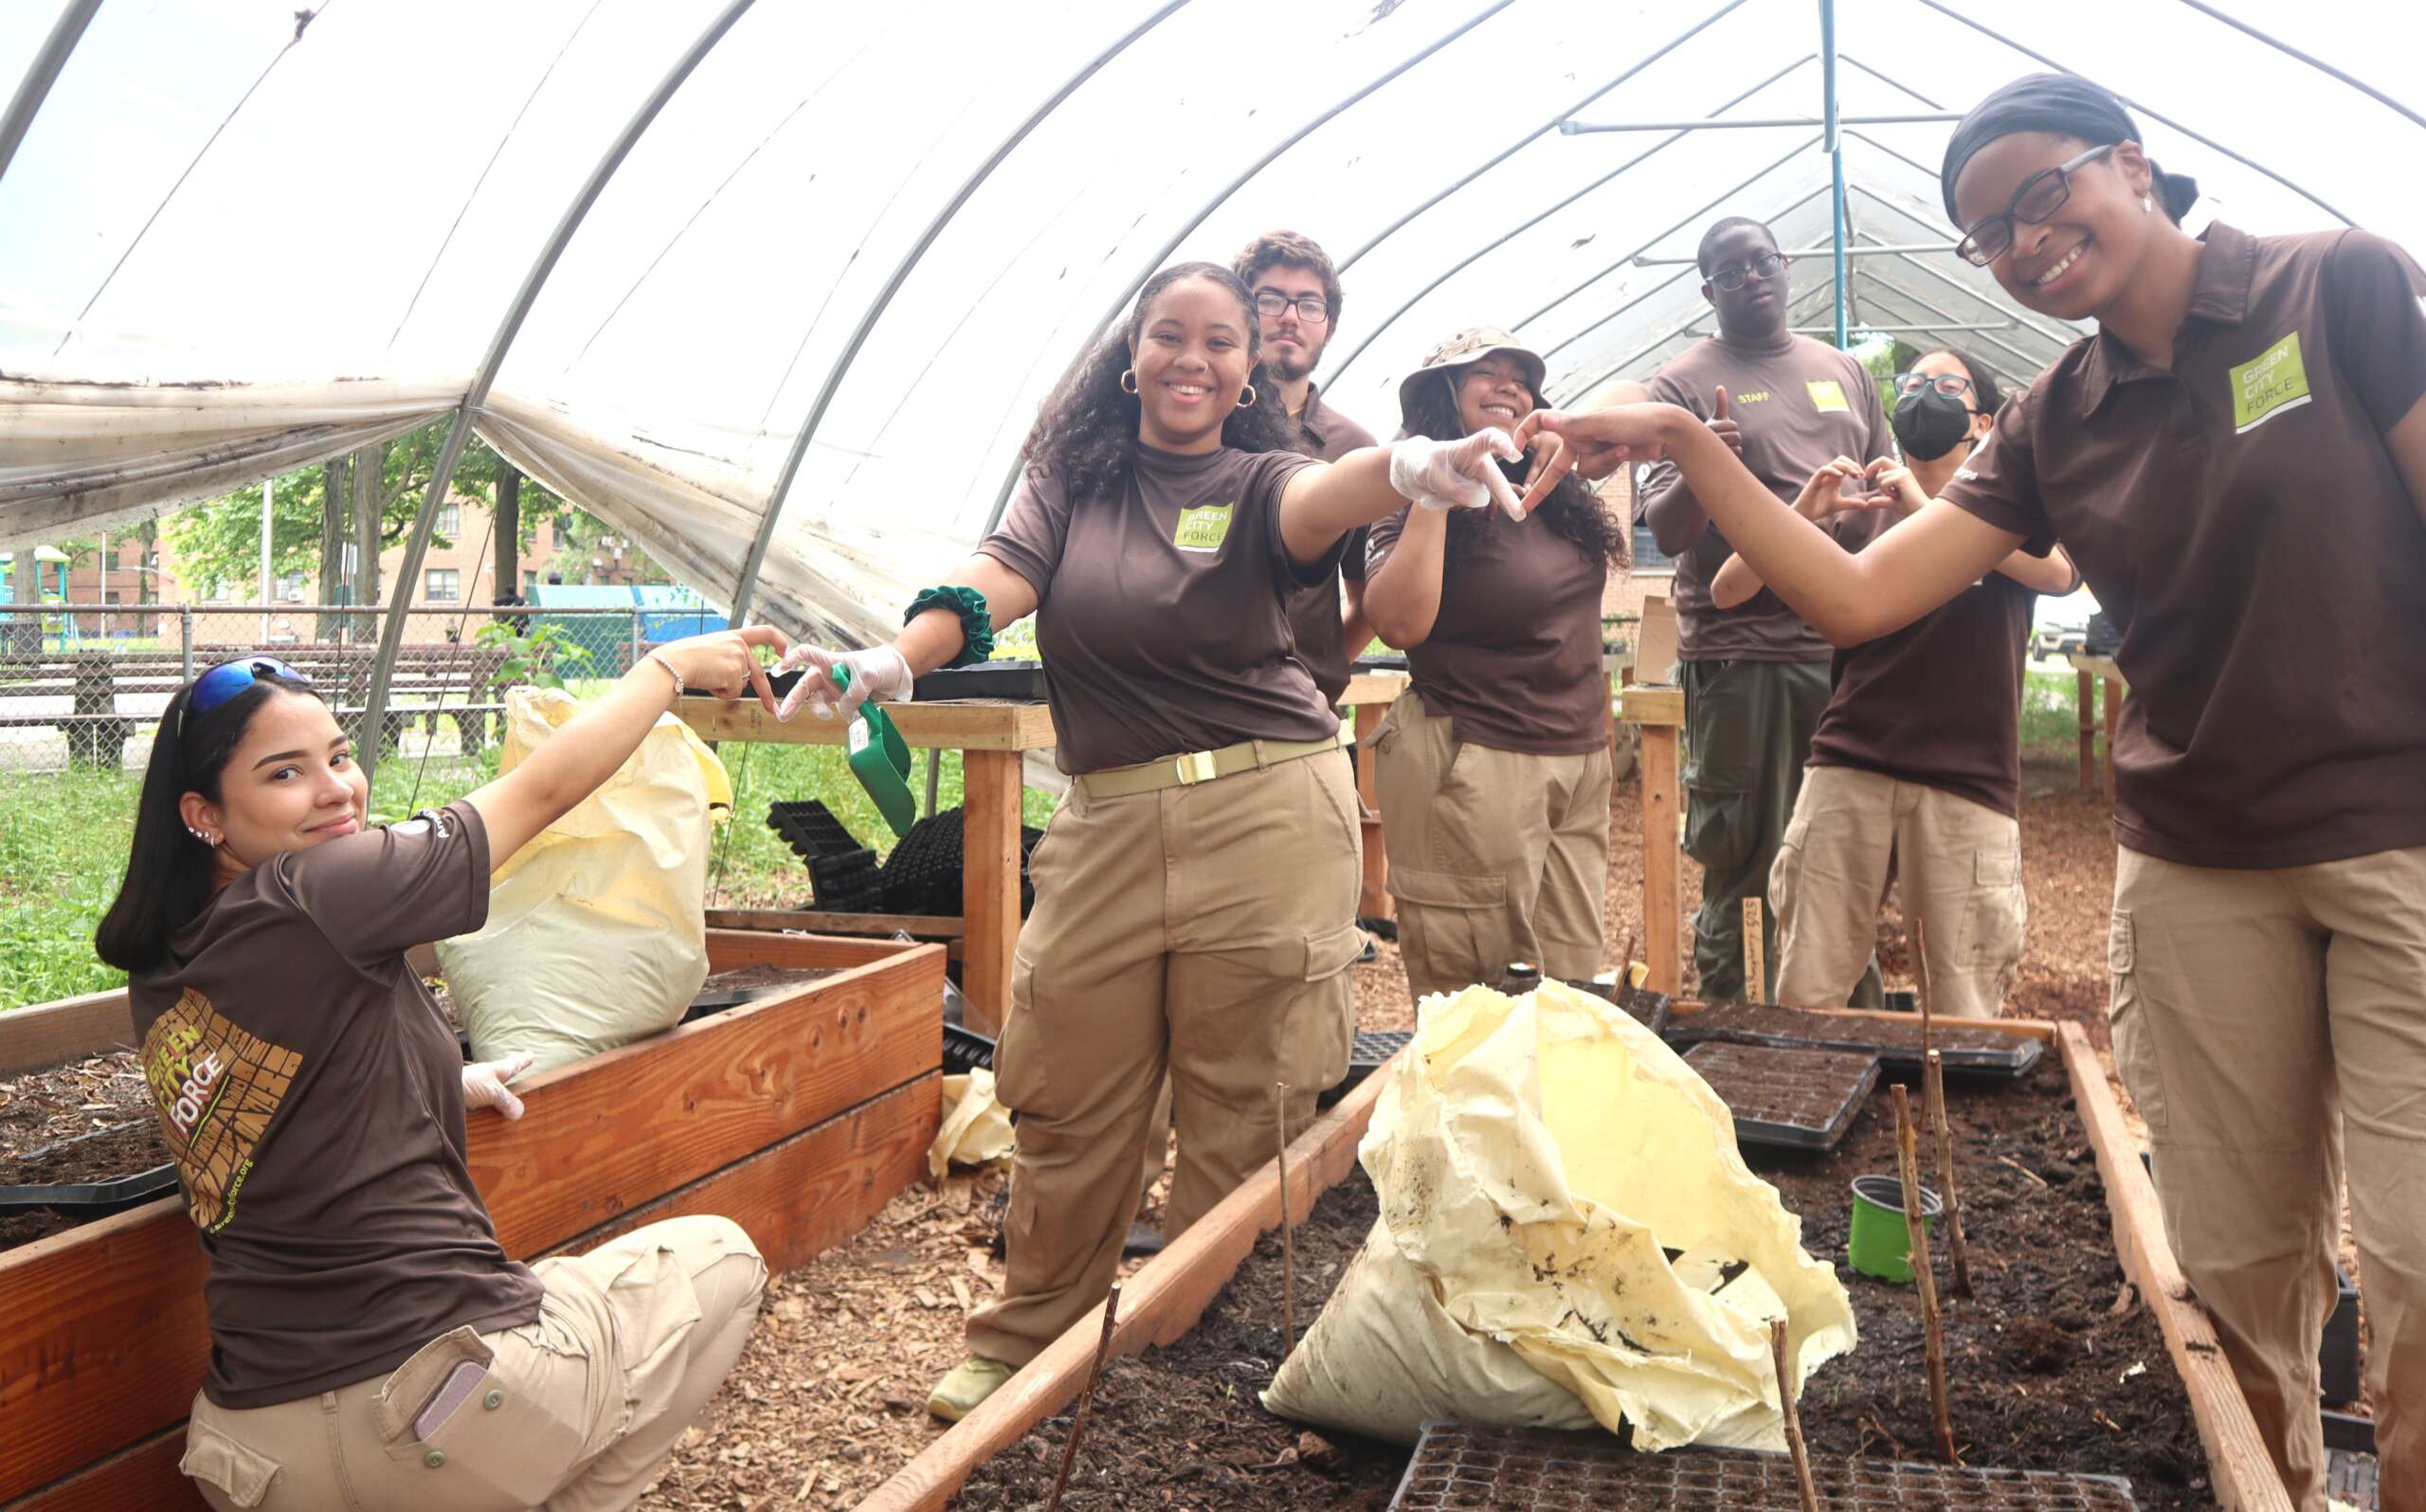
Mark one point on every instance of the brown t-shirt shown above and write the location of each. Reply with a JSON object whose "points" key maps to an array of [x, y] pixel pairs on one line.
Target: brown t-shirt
{"points": [[1938, 702], [1313, 610], [312, 1093], [1514, 654], [2240, 517], [1798, 406], [1159, 613]]}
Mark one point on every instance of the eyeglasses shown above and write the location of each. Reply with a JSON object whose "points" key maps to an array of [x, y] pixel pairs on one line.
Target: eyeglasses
{"points": [[1953, 385], [229, 678], [1764, 266], [1312, 308], [2041, 195]]}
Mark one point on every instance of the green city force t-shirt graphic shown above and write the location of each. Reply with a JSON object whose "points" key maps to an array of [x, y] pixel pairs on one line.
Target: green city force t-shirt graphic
{"points": [[2265, 385], [216, 1088], [1203, 528]]}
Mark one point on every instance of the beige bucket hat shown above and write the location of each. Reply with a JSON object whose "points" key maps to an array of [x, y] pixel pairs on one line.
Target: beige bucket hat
{"points": [[1469, 346]]}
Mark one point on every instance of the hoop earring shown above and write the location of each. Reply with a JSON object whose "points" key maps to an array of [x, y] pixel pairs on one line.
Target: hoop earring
{"points": [[1246, 401], [1127, 380]]}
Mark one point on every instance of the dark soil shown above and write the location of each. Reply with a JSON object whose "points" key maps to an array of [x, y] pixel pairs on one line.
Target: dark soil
{"points": [[120, 1150], [87, 1120], [1180, 1426], [2057, 1366], [743, 978]]}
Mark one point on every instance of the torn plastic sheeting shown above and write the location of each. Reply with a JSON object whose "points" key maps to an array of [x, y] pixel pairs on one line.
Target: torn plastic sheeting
{"points": [[685, 506], [81, 455], [976, 1130], [1539, 1160]]}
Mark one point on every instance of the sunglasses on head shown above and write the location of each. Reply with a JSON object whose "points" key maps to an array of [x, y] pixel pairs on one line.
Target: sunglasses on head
{"points": [[229, 678]]}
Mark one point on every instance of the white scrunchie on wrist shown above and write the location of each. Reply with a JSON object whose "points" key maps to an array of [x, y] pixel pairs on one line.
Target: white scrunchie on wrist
{"points": [[1455, 474]]}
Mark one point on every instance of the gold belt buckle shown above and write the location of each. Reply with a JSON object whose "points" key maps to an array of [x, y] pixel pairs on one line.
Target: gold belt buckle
{"points": [[1194, 767]]}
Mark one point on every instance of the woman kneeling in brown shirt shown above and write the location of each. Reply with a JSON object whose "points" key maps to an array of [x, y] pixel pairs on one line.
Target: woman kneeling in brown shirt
{"points": [[1195, 895], [1493, 767], [372, 1344]]}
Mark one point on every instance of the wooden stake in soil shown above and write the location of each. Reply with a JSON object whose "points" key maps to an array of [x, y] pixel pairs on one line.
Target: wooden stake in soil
{"points": [[1940, 1121], [1794, 1445], [1086, 1399], [1756, 976], [1287, 1229], [1907, 1163], [1921, 976]]}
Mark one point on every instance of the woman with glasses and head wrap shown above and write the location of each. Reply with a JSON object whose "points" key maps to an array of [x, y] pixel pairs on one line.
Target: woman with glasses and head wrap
{"points": [[373, 1346], [2237, 460]]}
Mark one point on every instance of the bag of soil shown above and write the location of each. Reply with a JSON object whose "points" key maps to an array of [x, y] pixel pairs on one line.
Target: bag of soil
{"points": [[1568, 1236], [597, 930]]}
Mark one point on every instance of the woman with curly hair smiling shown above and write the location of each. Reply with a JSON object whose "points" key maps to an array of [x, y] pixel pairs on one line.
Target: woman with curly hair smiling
{"points": [[1195, 895]]}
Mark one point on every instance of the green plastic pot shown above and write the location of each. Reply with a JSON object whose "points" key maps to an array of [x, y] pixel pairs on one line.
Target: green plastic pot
{"points": [[1880, 1245], [881, 760]]}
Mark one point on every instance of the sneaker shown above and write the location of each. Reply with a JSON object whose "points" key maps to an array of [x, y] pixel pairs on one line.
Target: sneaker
{"points": [[970, 1382]]}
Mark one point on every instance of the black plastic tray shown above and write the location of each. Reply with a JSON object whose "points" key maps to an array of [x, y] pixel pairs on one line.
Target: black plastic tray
{"points": [[1731, 1063], [966, 1050], [1974, 1052], [1369, 1051], [1527, 1468], [810, 829], [94, 1198], [1017, 681]]}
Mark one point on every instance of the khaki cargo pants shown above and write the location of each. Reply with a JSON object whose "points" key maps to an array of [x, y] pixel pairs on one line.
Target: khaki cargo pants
{"points": [[1960, 863], [2271, 1025], [1203, 931], [574, 1411], [1496, 856]]}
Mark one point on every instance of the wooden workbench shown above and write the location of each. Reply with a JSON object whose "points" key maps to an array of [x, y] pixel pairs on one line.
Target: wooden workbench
{"points": [[991, 736], [2091, 670]]}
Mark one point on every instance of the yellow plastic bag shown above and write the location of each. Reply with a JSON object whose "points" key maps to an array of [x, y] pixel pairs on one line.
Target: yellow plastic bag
{"points": [[1568, 1236], [976, 1126], [597, 930]]}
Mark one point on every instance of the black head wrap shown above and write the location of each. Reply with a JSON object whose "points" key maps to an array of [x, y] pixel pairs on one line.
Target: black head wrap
{"points": [[2066, 105]]}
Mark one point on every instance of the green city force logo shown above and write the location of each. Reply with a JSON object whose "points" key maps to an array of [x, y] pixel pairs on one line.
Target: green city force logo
{"points": [[2265, 385], [1202, 528]]}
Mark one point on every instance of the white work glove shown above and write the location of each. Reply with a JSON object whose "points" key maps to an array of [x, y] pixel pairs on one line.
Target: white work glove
{"points": [[1457, 475], [485, 1084], [877, 673]]}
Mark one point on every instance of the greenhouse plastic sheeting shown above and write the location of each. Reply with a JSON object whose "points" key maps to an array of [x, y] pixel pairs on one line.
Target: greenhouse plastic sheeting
{"points": [[215, 199]]}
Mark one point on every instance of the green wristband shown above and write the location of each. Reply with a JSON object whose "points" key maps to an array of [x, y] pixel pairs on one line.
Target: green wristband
{"points": [[976, 621]]}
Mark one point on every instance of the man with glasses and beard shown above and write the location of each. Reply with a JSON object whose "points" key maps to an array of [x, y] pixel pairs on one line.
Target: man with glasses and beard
{"points": [[1296, 299], [1755, 677]]}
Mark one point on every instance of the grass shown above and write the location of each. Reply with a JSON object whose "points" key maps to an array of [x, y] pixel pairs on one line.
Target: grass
{"points": [[2050, 714], [63, 837]]}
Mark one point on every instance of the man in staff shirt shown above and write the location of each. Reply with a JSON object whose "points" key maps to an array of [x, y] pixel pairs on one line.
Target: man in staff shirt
{"points": [[1755, 677]]}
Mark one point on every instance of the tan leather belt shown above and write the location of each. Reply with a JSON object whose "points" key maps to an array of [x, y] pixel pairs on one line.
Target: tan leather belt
{"points": [[1201, 766]]}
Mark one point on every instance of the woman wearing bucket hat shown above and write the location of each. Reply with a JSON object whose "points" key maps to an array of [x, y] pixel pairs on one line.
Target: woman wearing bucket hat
{"points": [[1196, 893], [2237, 460], [1493, 768]]}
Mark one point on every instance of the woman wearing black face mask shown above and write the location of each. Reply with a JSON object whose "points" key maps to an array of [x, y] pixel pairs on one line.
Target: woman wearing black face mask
{"points": [[1915, 770]]}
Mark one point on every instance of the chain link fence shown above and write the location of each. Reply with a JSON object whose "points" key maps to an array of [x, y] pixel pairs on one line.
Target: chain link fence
{"points": [[82, 686]]}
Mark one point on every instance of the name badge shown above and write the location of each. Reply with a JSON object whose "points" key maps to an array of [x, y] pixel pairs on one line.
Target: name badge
{"points": [[1202, 528], [2265, 385], [1827, 395]]}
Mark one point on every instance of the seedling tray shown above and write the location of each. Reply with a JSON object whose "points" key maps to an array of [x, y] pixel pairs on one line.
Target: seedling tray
{"points": [[1788, 1099], [1647, 1008], [1370, 1051], [1509, 1469], [93, 1199], [966, 1050], [1017, 681], [1898, 1044], [810, 829]]}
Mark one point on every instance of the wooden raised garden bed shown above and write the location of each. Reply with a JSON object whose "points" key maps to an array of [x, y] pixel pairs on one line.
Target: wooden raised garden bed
{"points": [[1165, 1300], [798, 1115]]}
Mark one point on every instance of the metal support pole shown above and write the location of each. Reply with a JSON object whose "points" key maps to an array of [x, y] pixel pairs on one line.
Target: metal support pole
{"points": [[269, 487], [41, 74], [1880, 250], [1011, 474], [746, 588], [637, 615], [1836, 148], [1578, 128], [185, 643], [392, 635]]}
